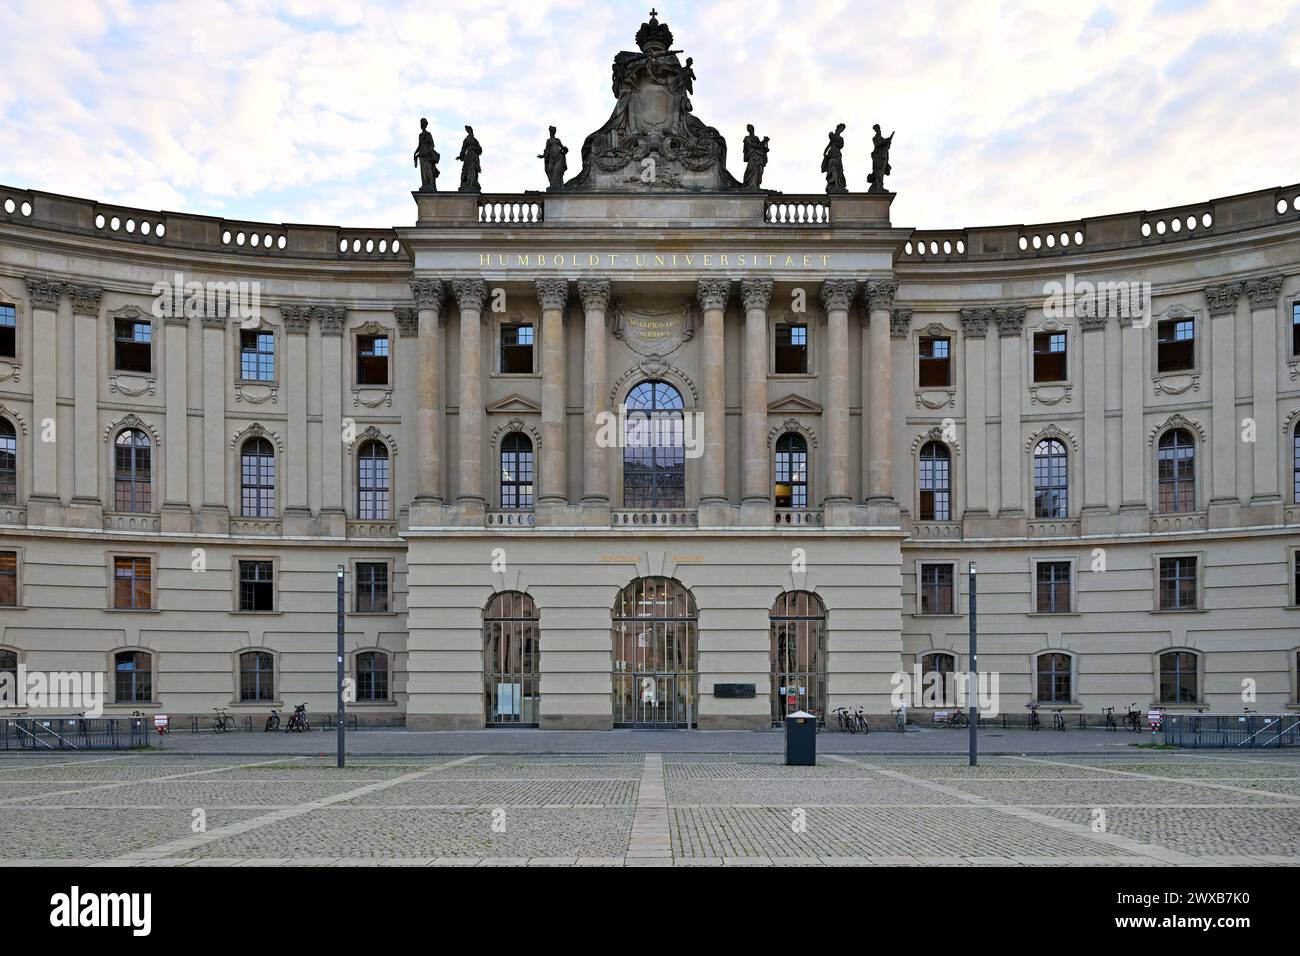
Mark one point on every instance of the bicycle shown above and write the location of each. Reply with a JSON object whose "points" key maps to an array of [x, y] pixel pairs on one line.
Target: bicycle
{"points": [[223, 722], [900, 719], [1132, 718], [272, 722], [1058, 720], [957, 718], [842, 715], [298, 721], [1109, 714], [1034, 722]]}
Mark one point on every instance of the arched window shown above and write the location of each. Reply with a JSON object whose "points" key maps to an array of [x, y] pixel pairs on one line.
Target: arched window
{"points": [[1176, 471], [791, 471], [511, 660], [9, 665], [798, 629], [1050, 480], [256, 676], [935, 503], [372, 675], [1053, 678], [132, 471], [373, 497], [516, 472], [257, 479], [1178, 677], [8, 462], [656, 654], [654, 453], [133, 675], [1295, 463], [936, 671]]}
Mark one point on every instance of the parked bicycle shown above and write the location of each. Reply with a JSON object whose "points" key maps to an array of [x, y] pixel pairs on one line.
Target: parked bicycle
{"points": [[842, 715], [272, 722], [298, 721], [1109, 714], [1132, 718], [1034, 722], [900, 718], [1058, 720], [223, 722], [957, 718]]}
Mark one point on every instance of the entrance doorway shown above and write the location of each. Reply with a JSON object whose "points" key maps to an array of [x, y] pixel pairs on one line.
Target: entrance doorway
{"points": [[511, 661], [798, 627], [655, 655]]}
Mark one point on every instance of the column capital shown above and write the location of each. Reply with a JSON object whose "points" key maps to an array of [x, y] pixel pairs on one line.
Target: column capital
{"points": [[552, 293], [427, 293], [214, 321], [1010, 320], [469, 293], [837, 294], [756, 293], [408, 321], [85, 299], [879, 293], [1222, 299], [44, 293], [713, 293], [1264, 291], [332, 318], [975, 321], [900, 321], [595, 293], [1094, 323], [296, 318]]}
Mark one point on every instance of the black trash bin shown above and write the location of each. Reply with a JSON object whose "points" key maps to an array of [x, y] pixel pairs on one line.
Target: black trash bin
{"points": [[800, 740]]}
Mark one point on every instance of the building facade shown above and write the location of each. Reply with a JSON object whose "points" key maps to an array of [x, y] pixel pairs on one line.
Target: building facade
{"points": [[666, 452]]}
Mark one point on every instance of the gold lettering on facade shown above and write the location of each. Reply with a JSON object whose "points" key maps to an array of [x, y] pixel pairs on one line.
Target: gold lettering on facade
{"points": [[642, 260]]}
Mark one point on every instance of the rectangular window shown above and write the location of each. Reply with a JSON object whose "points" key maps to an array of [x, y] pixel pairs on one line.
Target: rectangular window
{"points": [[1052, 587], [132, 584], [371, 587], [1175, 345], [792, 350], [517, 349], [256, 356], [935, 363], [936, 591], [8, 331], [1049, 357], [256, 586], [1295, 328], [1177, 584], [133, 345], [372, 359], [8, 578]]}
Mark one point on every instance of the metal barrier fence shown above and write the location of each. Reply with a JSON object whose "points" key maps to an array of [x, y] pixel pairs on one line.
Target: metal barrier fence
{"points": [[1232, 730], [73, 733]]}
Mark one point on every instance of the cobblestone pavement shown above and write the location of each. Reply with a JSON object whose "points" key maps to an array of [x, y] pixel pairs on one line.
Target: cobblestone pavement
{"points": [[652, 809]]}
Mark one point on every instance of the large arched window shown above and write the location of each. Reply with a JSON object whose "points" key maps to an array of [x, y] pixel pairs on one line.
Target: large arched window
{"points": [[791, 471], [935, 499], [1050, 480], [656, 654], [1053, 678], [373, 494], [511, 660], [937, 669], [1176, 471], [798, 630], [372, 675], [654, 453], [257, 479], [133, 677], [516, 472], [1178, 677], [8, 462], [132, 471], [256, 676]]}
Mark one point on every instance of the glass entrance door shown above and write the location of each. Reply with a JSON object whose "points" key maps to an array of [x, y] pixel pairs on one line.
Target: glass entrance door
{"points": [[654, 656]]}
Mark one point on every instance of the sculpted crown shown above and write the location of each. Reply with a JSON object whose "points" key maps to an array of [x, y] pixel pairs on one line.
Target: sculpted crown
{"points": [[654, 37]]}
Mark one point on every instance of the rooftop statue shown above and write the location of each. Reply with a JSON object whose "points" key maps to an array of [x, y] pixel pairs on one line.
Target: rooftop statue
{"points": [[426, 158], [553, 157], [470, 151], [755, 158], [653, 141], [880, 167], [833, 162]]}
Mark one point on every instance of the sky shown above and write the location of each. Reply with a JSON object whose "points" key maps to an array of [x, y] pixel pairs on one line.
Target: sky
{"points": [[307, 111]]}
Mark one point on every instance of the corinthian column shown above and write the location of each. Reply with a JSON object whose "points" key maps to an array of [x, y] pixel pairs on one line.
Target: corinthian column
{"points": [[45, 296], [836, 295], [879, 295], [713, 295], [755, 487], [428, 415], [470, 295], [553, 481], [1263, 295], [595, 475]]}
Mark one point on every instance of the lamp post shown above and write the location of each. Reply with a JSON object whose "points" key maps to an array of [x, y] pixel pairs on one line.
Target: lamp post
{"points": [[339, 663], [972, 683]]}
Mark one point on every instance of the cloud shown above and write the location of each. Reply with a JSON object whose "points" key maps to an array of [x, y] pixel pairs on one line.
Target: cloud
{"points": [[308, 111]]}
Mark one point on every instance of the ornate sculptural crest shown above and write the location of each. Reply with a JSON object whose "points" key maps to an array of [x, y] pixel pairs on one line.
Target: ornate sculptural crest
{"points": [[653, 141]]}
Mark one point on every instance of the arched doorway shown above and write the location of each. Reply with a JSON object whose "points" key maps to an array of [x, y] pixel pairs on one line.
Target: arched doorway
{"points": [[656, 655], [511, 661], [798, 655]]}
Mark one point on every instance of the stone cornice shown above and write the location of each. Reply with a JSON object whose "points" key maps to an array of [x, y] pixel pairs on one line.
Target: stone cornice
{"points": [[552, 294], [713, 293], [1264, 291], [595, 294], [1222, 299], [837, 294], [879, 293], [756, 293], [469, 293], [44, 293], [85, 298], [428, 293]]}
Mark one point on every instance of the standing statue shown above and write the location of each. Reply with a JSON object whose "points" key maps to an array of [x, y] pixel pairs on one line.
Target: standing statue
{"points": [[470, 151], [552, 157], [880, 167], [833, 162], [426, 158], [755, 159]]}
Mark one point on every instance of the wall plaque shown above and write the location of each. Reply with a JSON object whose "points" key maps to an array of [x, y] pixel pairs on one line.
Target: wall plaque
{"points": [[733, 691], [654, 332]]}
